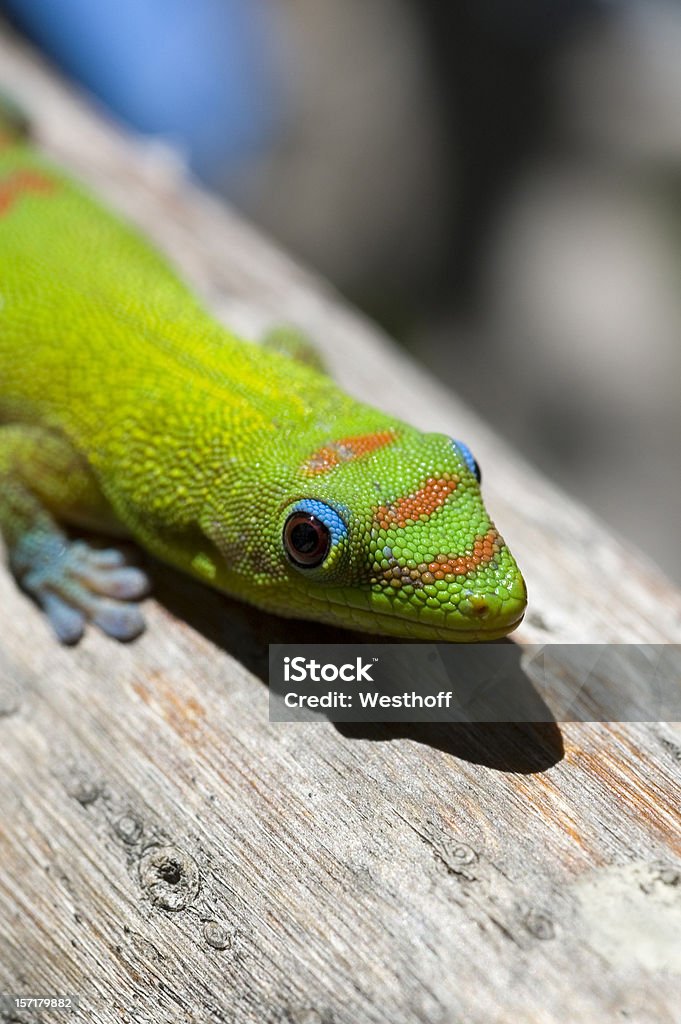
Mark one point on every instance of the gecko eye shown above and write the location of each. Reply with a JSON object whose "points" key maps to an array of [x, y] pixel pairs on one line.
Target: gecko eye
{"points": [[468, 458], [314, 533], [307, 539]]}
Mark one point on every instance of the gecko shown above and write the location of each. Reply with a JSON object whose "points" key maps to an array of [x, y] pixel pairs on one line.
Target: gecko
{"points": [[127, 410]]}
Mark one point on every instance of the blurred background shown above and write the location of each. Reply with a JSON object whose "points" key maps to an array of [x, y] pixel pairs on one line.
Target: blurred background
{"points": [[497, 182]]}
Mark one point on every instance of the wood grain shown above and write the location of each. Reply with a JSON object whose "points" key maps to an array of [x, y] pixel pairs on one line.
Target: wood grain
{"points": [[169, 855]]}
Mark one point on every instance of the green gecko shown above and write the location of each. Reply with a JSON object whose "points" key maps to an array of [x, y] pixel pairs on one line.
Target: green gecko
{"points": [[126, 409]]}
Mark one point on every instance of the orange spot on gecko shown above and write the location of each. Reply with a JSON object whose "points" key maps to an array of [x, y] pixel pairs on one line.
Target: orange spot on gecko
{"points": [[423, 502], [484, 550], [445, 567], [345, 450], [18, 183]]}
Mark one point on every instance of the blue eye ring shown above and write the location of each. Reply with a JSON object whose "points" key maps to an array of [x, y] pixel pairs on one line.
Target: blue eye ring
{"points": [[469, 459], [311, 530]]}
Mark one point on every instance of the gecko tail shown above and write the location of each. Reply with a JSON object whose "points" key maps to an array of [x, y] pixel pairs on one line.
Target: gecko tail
{"points": [[15, 125]]}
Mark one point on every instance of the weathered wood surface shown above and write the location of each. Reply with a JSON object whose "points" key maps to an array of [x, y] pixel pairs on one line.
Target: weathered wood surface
{"points": [[169, 855]]}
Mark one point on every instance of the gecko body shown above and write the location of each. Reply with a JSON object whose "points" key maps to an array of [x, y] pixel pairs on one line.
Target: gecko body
{"points": [[127, 409]]}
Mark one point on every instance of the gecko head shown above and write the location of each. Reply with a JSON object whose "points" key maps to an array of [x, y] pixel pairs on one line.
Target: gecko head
{"points": [[388, 533]]}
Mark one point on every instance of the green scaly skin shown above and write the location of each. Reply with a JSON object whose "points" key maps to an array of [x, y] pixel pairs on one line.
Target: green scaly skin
{"points": [[126, 408]]}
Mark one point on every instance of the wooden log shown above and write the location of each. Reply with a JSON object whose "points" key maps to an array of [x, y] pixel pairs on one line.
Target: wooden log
{"points": [[168, 854]]}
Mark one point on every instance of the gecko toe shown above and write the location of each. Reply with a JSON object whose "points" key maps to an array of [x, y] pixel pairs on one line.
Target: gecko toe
{"points": [[118, 620], [122, 584], [103, 558], [67, 622]]}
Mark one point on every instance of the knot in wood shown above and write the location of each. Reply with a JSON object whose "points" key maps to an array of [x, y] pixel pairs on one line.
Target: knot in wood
{"points": [[169, 877], [217, 936], [128, 828]]}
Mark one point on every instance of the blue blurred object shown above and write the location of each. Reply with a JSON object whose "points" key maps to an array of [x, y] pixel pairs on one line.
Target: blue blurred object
{"points": [[199, 73]]}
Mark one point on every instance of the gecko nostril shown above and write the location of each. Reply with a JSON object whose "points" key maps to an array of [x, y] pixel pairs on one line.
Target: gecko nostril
{"points": [[479, 607]]}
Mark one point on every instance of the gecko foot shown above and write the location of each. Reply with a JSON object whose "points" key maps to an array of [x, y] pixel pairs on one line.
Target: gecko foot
{"points": [[75, 584]]}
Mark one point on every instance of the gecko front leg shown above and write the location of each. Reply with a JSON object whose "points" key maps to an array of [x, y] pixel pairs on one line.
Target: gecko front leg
{"points": [[43, 482]]}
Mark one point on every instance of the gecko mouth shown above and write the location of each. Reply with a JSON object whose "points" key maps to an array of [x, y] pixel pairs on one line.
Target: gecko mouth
{"points": [[481, 624], [464, 631], [417, 630]]}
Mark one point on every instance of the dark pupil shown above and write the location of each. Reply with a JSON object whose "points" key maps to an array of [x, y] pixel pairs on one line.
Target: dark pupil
{"points": [[305, 538], [478, 474]]}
